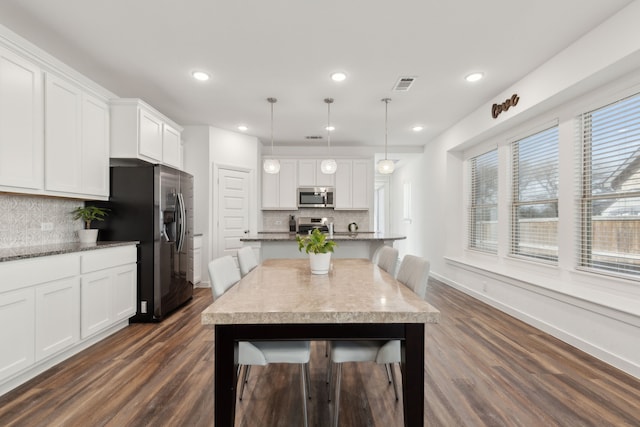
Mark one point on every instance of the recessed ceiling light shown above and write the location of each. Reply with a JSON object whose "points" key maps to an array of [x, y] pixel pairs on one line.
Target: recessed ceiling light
{"points": [[200, 75], [338, 76], [330, 128], [474, 77], [417, 128], [243, 128]]}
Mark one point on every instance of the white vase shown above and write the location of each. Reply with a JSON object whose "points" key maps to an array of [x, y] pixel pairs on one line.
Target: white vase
{"points": [[88, 235], [320, 263]]}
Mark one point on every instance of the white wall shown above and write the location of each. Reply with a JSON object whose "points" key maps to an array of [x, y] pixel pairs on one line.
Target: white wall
{"points": [[206, 149], [596, 313], [413, 173]]}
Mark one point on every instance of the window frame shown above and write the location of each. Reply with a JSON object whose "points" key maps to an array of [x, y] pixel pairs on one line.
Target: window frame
{"points": [[516, 203], [473, 207]]}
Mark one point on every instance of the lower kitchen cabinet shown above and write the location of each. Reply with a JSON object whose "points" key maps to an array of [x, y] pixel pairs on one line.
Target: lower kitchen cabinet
{"points": [[108, 289], [57, 316], [52, 307], [17, 310]]}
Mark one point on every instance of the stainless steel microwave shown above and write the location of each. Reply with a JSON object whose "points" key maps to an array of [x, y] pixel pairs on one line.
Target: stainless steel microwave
{"points": [[316, 197]]}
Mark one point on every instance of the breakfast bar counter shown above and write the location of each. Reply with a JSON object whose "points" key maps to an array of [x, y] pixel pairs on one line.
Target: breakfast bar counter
{"points": [[349, 245]]}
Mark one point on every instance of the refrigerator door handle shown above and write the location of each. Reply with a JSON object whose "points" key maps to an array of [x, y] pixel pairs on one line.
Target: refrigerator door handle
{"points": [[182, 223]]}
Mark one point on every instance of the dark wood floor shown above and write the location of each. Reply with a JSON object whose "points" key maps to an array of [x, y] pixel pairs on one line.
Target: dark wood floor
{"points": [[483, 368]]}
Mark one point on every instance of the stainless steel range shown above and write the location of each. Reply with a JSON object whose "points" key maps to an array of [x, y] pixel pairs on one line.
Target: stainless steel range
{"points": [[307, 224]]}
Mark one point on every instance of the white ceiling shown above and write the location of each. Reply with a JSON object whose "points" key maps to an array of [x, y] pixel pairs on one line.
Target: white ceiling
{"points": [[286, 49]]}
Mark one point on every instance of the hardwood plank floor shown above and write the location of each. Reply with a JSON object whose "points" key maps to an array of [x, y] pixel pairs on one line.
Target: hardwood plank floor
{"points": [[483, 368]]}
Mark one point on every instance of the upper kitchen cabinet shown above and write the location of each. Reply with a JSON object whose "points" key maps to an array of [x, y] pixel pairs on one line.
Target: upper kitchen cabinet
{"points": [[353, 184], [310, 174], [279, 190], [76, 141], [21, 121], [139, 131]]}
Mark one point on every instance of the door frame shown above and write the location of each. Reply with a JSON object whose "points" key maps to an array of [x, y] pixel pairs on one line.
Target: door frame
{"points": [[214, 205]]}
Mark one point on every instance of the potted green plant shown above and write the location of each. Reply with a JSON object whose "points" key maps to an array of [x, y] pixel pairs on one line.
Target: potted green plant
{"points": [[89, 214], [319, 249]]}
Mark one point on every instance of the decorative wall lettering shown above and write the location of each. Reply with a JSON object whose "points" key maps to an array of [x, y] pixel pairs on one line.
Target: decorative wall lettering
{"points": [[496, 109]]}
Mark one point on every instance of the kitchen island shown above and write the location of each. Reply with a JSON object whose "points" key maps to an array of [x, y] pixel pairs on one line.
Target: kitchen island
{"points": [[349, 245]]}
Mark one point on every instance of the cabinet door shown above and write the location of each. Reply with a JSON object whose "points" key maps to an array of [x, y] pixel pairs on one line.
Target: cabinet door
{"points": [[270, 190], [343, 185], [95, 146], [197, 260], [360, 184], [150, 135], [57, 316], [307, 173], [95, 304], [170, 146], [123, 292], [16, 334], [287, 196], [323, 179], [21, 140], [63, 141]]}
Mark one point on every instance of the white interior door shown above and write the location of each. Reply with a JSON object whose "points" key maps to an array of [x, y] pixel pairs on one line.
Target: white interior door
{"points": [[233, 210]]}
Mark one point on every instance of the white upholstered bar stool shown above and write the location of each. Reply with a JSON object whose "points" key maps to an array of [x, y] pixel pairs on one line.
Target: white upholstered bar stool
{"points": [[246, 260], [413, 273], [224, 274], [387, 259]]}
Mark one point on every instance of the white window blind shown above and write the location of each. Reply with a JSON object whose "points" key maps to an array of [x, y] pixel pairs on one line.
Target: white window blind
{"points": [[609, 232], [483, 206], [534, 207]]}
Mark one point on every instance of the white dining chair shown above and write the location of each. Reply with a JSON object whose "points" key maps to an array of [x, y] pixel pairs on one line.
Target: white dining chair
{"points": [[413, 273], [224, 274], [246, 260], [387, 259]]}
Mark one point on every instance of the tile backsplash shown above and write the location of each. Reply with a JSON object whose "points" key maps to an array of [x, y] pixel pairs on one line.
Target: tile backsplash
{"points": [[22, 218], [279, 220]]}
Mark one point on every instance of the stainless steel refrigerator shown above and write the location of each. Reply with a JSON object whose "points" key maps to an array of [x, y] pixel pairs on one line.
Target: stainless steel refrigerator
{"points": [[153, 204]]}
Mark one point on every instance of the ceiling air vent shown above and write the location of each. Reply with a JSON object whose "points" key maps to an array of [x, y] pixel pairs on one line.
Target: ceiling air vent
{"points": [[403, 84], [313, 137]]}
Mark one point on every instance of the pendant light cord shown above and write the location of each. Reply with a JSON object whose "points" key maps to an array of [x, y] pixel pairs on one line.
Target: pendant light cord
{"points": [[272, 101], [386, 121], [329, 101]]}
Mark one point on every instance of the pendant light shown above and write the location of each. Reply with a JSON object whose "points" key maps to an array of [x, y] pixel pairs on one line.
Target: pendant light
{"points": [[271, 165], [328, 166], [385, 166]]}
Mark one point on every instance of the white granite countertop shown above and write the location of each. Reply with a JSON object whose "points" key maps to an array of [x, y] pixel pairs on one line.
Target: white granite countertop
{"points": [[12, 254], [285, 291], [286, 236]]}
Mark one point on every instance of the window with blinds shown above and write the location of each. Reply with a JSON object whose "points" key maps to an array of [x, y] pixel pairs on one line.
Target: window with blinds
{"points": [[483, 206], [609, 182], [534, 207]]}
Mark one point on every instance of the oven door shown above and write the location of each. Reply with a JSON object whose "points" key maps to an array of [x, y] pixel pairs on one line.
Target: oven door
{"points": [[312, 197]]}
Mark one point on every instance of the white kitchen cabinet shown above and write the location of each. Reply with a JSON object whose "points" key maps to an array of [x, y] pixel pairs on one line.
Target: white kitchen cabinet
{"points": [[96, 310], [171, 146], [138, 131], [123, 292], [21, 123], [57, 316], [196, 274], [42, 312], [95, 146], [353, 184], [63, 136], [279, 191], [76, 140], [150, 138], [361, 184], [310, 174], [17, 311], [108, 288]]}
